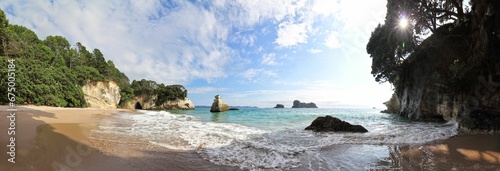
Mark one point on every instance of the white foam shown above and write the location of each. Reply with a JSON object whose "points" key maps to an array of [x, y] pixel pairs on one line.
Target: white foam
{"points": [[181, 132], [255, 149]]}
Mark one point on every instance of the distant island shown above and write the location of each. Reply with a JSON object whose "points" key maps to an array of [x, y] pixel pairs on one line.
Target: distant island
{"points": [[298, 104], [279, 106]]}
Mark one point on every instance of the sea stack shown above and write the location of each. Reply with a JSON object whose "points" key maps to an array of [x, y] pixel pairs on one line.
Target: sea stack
{"points": [[218, 105], [298, 104]]}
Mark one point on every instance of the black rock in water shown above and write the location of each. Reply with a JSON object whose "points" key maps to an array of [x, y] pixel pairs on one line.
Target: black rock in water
{"points": [[233, 108], [329, 123]]}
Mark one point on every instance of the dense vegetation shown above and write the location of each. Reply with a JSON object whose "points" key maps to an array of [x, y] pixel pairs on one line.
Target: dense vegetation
{"points": [[165, 93], [51, 71]]}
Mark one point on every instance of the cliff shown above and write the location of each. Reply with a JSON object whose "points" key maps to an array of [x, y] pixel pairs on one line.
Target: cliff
{"points": [[102, 95], [455, 73], [148, 102], [298, 104]]}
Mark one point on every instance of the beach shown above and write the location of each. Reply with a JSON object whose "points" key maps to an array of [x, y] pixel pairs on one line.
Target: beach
{"points": [[49, 138]]}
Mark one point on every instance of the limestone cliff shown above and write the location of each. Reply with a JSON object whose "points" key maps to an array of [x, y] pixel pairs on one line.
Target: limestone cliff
{"points": [[455, 73], [148, 102], [102, 95]]}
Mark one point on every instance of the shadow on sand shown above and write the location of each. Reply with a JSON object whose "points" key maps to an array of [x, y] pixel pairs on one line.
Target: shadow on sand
{"points": [[42, 146]]}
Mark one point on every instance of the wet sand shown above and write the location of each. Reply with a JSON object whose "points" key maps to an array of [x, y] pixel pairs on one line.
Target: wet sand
{"points": [[49, 138]]}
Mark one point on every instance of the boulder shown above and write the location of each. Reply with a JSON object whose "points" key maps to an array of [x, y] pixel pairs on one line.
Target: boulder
{"points": [[279, 106], [218, 105], [233, 108], [298, 104], [329, 123]]}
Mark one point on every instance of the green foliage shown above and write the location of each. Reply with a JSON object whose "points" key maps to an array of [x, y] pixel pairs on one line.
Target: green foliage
{"points": [[165, 93], [51, 72]]}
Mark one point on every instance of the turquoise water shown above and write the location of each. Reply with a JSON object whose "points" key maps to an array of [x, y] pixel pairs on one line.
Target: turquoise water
{"points": [[288, 118], [275, 139]]}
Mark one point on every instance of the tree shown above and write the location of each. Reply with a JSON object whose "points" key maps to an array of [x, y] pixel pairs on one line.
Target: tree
{"points": [[3, 35], [391, 43], [60, 47], [98, 61]]}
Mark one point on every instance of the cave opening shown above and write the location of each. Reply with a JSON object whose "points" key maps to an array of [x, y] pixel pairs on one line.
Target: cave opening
{"points": [[138, 105]]}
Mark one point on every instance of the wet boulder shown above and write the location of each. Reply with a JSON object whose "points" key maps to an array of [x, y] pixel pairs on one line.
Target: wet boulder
{"points": [[333, 124]]}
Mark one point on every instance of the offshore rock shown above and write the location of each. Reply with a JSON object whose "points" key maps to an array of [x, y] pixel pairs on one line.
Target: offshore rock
{"points": [[329, 123], [102, 95], [218, 105], [279, 106], [298, 104]]}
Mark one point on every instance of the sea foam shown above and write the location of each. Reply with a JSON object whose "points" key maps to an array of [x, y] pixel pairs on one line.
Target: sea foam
{"points": [[252, 148]]}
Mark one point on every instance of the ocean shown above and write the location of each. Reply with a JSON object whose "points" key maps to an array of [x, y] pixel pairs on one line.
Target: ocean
{"points": [[275, 139]]}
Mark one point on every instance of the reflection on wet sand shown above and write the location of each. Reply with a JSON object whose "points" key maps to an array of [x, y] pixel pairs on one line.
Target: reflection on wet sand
{"points": [[464, 152]]}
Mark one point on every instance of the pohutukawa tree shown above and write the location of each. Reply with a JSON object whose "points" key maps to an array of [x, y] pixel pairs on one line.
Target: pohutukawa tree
{"points": [[406, 23]]}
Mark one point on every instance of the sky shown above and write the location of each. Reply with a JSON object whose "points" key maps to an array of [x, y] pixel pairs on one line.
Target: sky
{"points": [[251, 52]]}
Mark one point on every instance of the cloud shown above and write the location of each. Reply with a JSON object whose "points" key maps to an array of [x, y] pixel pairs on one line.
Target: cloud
{"points": [[252, 73], [204, 90], [290, 34], [269, 59], [144, 39], [332, 41], [314, 51]]}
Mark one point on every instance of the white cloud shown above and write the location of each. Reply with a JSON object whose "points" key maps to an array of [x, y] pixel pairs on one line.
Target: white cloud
{"points": [[143, 40], [269, 59], [204, 90], [326, 7], [332, 41], [252, 73], [314, 51], [290, 34]]}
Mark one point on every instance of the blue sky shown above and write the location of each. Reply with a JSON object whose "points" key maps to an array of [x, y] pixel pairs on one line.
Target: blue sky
{"points": [[251, 52]]}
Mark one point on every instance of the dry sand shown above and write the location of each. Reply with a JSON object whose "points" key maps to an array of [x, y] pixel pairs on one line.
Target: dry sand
{"points": [[49, 138]]}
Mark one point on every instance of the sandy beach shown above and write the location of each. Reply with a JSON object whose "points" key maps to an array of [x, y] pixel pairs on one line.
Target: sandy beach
{"points": [[49, 138]]}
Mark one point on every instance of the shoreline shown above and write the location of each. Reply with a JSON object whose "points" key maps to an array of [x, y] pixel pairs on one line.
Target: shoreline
{"points": [[52, 138]]}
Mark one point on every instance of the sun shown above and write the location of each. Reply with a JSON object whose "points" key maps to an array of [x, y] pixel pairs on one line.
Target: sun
{"points": [[403, 22]]}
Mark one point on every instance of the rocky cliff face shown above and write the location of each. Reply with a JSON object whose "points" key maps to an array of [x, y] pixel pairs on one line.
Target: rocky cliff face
{"points": [[148, 102], [102, 95], [455, 73]]}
